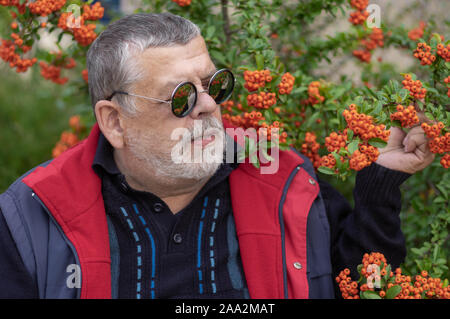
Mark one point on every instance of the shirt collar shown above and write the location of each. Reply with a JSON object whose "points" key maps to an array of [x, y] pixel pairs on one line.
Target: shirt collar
{"points": [[104, 158]]}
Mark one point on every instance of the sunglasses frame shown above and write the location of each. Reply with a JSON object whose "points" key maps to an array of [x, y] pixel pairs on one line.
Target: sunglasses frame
{"points": [[177, 87]]}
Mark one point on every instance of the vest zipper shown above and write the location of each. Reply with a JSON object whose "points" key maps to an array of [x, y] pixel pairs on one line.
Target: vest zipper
{"points": [[63, 235], [281, 221]]}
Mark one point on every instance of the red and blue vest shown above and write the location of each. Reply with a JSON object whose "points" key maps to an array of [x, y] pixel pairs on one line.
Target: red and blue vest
{"points": [[57, 216]]}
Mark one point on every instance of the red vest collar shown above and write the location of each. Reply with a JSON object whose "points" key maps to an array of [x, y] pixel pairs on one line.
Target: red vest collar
{"points": [[71, 190]]}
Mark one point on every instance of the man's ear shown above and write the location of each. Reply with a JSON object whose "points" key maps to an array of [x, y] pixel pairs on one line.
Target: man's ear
{"points": [[110, 122]]}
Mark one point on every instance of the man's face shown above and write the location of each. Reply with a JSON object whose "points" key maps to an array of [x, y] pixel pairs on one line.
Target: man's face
{"points": [[150, 137]]}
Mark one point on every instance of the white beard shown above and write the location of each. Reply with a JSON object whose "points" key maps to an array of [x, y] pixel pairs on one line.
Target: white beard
{"points": [[177, 162]]}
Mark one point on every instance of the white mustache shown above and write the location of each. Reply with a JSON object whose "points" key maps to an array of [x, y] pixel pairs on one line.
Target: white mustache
{"points": [[208, 127]]}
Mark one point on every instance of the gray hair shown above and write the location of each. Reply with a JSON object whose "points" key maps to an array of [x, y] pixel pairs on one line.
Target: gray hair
{"points": [[110, 62]]}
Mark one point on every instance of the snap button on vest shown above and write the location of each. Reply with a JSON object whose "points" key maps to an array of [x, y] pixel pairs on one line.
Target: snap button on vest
{"points": [[312, 182], [297, 265]]}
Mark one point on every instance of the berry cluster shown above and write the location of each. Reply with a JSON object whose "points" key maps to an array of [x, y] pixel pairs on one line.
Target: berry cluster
{"points": [[423, 53], [182, 3], [314, 96], [244, 119], [19, 43], [358, 17], [262, 100], [378, 279], [46, 7], [328, 161], [228, 106], [9, 55], [361, 14], [256, 79], [407, 116], [432, 131], [94, 12], [376, 39], [373, 267], [273, 135], [348, 288], [83, 33], [256, 120], [85, 76], [417, 33], [67, 140], [439, 143], [363, 157], [52, 73], [287, 83], [75, 123], [310, 148], [418, 287], [444, 51], [362, 125], [414, 87], [362, 55], [21, 8], [445, 161], [336, 141], [359, 4]]}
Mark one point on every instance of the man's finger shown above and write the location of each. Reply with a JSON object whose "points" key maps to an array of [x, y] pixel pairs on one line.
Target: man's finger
{"points": [[396, 136], [416, 140]]}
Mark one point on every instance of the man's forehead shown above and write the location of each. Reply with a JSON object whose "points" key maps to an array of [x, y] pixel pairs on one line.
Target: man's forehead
{"points": [[167, 65]]}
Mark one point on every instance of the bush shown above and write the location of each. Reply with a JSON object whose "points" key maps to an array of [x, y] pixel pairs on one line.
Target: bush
{"points": [[291, 77]]}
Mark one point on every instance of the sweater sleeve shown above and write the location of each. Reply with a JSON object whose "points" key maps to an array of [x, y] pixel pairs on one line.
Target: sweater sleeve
{"points": [[15, 281], [373, 225]]}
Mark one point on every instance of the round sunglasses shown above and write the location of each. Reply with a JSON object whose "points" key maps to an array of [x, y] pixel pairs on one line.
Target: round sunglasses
{"points": [[184, 96]]}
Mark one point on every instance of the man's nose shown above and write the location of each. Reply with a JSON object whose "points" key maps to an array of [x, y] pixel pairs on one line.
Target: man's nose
{"points": [[205, 104]]}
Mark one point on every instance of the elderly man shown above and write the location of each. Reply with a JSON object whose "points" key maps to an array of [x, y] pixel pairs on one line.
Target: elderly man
{"points": [[117, 216]]}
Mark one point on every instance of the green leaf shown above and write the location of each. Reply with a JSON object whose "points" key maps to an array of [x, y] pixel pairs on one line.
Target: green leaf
{"points": [[370, 295], [377, 142], [349, 134], [388, 272], [403, 94], [259, 58], [265, 154], [435, 253], [353, 146], [392, 292], [325, 170], [337, 93], [371, 92], [442, 190], [359, 268], [255, 161], [309, 122]]}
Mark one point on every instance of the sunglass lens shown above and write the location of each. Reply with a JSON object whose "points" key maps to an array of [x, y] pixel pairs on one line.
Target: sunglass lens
{"points": [[183, 99], [221, 86]]}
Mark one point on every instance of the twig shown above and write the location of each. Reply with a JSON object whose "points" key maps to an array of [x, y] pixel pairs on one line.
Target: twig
{"points": [[226, 21]]}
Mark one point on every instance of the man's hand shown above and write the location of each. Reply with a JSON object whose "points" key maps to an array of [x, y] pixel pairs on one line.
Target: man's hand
{"points": [[407, 153]]}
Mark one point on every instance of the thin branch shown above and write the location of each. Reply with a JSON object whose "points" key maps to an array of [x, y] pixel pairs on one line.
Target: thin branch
{"points": [[226, 20]]}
